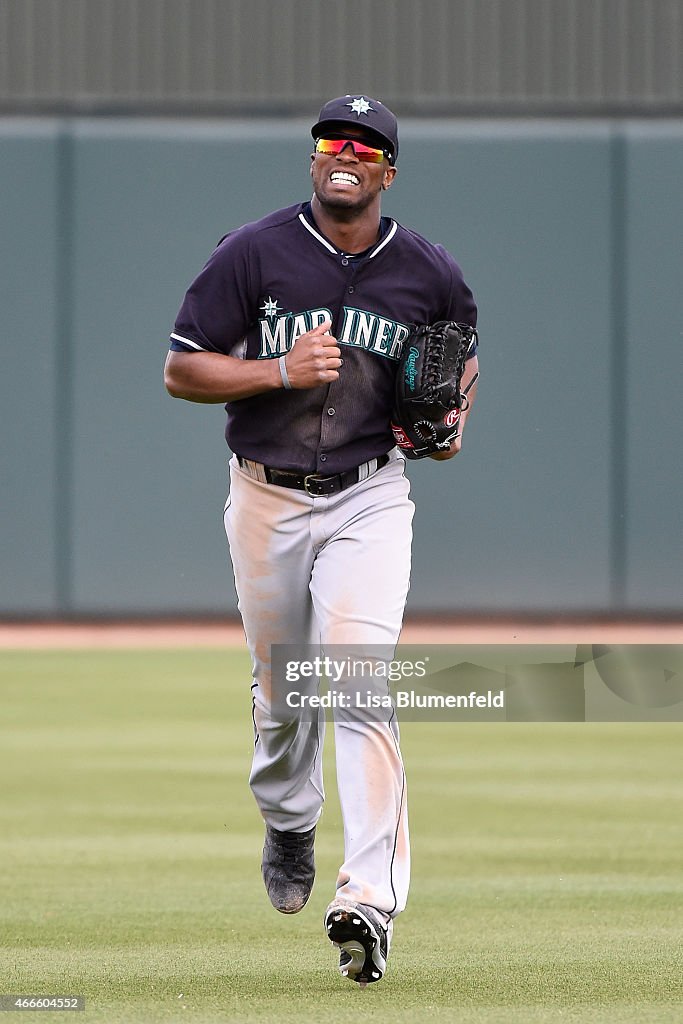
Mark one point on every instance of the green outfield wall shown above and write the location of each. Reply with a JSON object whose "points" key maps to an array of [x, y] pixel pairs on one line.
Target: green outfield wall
{"points": [[567, 496]]}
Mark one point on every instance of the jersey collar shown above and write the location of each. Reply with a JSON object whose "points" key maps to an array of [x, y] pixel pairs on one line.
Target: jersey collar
{"points": [[388, 228]]}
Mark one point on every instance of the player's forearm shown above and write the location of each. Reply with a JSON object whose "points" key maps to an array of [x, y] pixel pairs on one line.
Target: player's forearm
{"points": [[208, 377]]}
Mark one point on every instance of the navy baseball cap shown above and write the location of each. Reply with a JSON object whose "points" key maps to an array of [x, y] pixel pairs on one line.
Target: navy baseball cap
{"points": [[363, 112]]}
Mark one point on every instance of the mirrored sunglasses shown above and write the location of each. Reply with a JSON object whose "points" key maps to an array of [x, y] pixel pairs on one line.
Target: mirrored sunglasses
{"points": [[367, 154]]}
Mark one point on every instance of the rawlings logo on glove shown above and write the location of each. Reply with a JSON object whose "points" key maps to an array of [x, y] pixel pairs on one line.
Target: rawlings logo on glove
{"points": [[428, 399]]}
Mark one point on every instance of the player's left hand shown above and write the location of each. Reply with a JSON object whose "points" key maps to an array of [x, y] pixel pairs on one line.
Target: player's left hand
{"points": [[456, 444], [470, 378]]}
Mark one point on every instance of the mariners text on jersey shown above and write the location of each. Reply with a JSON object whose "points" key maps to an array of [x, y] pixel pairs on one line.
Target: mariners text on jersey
{"points": [[358, 327]]}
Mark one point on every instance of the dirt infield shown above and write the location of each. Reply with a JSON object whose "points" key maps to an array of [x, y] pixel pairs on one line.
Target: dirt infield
{"points": [[141, 634]]}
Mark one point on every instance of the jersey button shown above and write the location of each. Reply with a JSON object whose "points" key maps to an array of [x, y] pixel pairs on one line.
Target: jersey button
{"points": [[351, 289], [345, 262], [331, 411], [323, 458]]}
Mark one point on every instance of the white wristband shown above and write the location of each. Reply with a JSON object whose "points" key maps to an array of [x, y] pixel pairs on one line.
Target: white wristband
{"points": [[283, 374]]}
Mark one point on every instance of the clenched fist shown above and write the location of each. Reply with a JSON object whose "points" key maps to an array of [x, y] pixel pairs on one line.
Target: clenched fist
{"points": [[314, 359]]}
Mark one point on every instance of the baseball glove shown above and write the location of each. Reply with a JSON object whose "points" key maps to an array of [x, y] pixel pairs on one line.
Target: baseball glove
{"points": [[428, 399]]}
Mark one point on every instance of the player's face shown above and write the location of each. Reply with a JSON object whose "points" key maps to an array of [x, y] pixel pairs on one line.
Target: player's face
{"points": [[346, 182]]}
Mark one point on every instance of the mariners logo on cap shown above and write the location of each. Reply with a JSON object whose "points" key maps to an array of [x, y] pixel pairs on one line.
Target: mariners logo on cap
{"points": [[360, 106]]}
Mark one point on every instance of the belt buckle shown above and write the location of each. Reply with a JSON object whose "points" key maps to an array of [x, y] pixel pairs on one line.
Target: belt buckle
{"points": [[310, 476], [321, 481]]}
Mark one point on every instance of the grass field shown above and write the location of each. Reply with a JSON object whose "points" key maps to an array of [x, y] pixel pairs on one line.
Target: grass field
{"points": [[547, 880]]}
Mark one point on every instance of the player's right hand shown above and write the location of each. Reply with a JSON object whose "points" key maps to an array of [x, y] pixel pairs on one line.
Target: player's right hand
{"points": [[314, 359]]}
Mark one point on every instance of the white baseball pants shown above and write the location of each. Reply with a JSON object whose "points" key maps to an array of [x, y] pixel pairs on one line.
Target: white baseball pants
{"points": [[330, 571]]}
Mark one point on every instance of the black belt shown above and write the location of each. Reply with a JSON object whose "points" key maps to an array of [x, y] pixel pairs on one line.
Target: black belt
{"points": [[315, 484]]}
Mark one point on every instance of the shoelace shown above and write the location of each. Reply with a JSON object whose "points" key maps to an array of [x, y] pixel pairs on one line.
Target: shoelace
{"points": [[292, 843]]}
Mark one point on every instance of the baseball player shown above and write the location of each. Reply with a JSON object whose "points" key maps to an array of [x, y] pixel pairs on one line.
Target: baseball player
{"points": [[296, 323]]}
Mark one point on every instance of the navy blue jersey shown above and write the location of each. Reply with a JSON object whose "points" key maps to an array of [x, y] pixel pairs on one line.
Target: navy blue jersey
{"points": [[273, 280]]}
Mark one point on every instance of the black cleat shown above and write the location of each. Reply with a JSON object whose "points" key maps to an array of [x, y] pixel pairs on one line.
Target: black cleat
{"points": [[288, 868], [363, 939]]}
